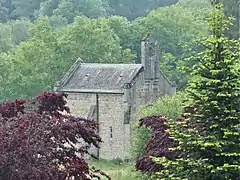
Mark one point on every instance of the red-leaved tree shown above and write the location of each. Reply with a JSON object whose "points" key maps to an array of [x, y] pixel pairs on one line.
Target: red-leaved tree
{"points": [[38, 140], [157, 146]]}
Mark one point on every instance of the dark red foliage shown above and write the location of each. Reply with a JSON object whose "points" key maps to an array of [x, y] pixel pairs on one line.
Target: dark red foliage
{"points": [[51, 103], [11, 109], [33, 138], [158, 145]]}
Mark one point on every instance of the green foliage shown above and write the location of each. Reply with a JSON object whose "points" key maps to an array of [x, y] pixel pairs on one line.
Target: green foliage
{"points": [[36, 59], [94, 41], [72, 8], [23, 9], [171, 66], [19, 30], [47, 7], [173, 25], [204, 4], [6, 68], [132, 10], [169, 106], [4, 11], [124, 171], [107, 40], [209, 136], [6, 42], [140, 137]]}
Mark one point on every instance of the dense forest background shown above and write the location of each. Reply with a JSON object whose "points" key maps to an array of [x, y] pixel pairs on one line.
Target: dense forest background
{"points": [[41, 39]]}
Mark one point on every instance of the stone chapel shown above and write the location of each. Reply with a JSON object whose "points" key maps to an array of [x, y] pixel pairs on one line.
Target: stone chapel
{"points": [[111, 95]]}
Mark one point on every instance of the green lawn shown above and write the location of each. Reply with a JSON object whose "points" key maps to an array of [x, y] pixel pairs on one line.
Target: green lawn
{"points": [[117, 172]]}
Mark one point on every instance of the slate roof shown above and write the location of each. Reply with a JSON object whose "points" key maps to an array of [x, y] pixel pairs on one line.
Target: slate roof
{"points": [[94, 76]]}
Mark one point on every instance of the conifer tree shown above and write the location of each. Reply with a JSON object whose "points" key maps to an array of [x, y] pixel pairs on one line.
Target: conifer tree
{"points": [[209, 135]]}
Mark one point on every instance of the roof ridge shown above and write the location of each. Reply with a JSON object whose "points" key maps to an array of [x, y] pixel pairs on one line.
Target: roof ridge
{"points": [[109, 64]]}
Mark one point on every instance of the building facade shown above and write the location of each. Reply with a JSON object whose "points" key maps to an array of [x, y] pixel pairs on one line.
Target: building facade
{"points": [[111, 95]]}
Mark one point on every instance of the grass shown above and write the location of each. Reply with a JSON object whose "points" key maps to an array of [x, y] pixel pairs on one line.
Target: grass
{"points": [[123, 171]]}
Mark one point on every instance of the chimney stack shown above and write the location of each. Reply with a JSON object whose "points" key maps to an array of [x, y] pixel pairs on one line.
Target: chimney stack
{"points": [[150, 57]]}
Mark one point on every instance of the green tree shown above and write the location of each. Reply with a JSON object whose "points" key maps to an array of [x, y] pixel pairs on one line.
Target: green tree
{"points": [[93, 41], [6, 75], [6, 42], [47, 8], [37, 60], [209, 136], [72, 8], [131, 10], [195, 3], [4, 11], [19, 30], [24, 9]]}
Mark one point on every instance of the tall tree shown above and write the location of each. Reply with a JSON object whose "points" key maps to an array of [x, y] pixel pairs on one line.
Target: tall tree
{"points": [[209, 135], [72, 8], [94, 41], [132, 10], [47, 7], [6, 42], [4, 11], [24, 9], [19, 30], [37, 60]]}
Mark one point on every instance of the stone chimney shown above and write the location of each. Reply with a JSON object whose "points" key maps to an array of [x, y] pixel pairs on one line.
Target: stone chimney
{"points": [[150, 56]]}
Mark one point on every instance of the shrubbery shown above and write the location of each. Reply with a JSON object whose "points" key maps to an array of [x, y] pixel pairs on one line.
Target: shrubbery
{"points": [[148, 130], [39, 142]]}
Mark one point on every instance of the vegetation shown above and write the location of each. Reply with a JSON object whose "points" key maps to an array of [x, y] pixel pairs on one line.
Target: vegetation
{"points": [[168, 106], [149, 137], [41, 39], [38, 142], [35, 52], [158, 145], [121, 171], [209, 135]]}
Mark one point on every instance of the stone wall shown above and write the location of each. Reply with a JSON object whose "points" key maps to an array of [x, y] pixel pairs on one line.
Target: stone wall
{"points": [[80, 104], [148, 91], [111, 114], [115, 135]]}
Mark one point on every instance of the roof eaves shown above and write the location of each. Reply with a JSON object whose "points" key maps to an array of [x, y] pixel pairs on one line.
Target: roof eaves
{"points": [[135, 73], [100, 91], [164, 75], [68, 75]]}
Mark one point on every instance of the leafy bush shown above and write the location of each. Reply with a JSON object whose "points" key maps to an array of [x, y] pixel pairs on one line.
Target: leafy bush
{"points": [[40, 140], [169, 106]]}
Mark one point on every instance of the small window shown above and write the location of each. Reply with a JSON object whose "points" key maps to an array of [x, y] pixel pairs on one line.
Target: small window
{"points": [[111, 132]]}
